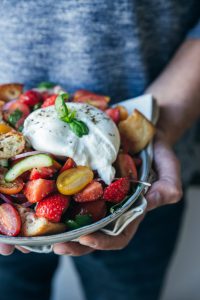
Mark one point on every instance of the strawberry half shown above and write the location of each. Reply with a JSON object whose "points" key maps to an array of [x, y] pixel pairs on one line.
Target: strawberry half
{"points": [[117, 190], [92, 192], [36, 190], [49, 101], [53, 207]]}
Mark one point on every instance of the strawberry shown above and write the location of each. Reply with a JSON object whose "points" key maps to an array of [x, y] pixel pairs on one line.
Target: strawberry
{"points": [[92, 192], [43, 172], [68, 165], [117, 190], [49, 101], [30, 98], [36, 190], [52, 207], [126, 166], [96, 209], [114, 114]]}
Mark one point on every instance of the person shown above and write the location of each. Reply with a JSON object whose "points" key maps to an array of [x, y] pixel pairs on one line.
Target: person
{"points": [[122, 49]]}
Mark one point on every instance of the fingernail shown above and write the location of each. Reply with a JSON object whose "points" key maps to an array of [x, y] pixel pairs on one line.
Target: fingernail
{"points": [[87, 242], [62, 252]]}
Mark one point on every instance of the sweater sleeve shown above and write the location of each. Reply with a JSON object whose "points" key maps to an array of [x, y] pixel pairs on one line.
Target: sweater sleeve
{"points": [[194, 33]]}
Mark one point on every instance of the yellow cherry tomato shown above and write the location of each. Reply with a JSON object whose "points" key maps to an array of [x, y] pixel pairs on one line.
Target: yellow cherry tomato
{"points": [[4, 128], [74, 180]]}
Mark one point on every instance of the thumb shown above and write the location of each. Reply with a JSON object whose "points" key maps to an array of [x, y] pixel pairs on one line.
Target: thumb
{"points": [[168, 188], [6, 249]]}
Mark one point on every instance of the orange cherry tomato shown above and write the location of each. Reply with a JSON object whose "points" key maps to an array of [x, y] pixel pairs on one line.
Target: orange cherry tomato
{"points": [[122, 112], [74, 180], [10, 188], [4, 128]]}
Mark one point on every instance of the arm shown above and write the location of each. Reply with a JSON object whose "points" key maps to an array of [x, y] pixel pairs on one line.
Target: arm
{"points": [[177, 90]]}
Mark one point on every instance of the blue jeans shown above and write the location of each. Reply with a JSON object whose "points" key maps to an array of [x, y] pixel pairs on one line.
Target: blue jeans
{"points": [[134, 273]]}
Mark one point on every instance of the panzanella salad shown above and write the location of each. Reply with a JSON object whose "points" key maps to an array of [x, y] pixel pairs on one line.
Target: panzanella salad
{"points": [[66, 160]]}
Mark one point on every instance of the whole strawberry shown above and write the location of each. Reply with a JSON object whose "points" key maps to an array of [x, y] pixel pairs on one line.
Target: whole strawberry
{"points": [[53, 207], [117, 190]]}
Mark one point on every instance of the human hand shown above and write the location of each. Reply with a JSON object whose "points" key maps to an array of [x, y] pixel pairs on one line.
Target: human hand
{"points": [[167, 189], [6, 249]]}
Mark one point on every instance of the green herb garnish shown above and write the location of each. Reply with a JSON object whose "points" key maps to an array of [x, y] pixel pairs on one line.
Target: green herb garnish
{"points": [[79, 221], [46, 85], [15, 116], [64, 113], [37, 106]]}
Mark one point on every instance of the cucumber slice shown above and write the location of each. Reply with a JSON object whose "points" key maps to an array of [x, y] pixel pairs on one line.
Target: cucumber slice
{"points": [[34, 161]]}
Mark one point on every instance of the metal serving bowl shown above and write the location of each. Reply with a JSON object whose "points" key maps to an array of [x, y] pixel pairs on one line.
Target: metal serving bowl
{"points": [[74, 234]]}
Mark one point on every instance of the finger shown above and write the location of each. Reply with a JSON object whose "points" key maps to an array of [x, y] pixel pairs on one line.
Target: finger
{"points": [[101, 241], [71, 248], [168, 188], [21, 249], [6, 249]]}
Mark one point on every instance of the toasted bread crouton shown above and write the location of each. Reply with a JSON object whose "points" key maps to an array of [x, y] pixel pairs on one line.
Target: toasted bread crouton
{"points": [[10, 91], [35, 226], [11, 144], [137, 131]]}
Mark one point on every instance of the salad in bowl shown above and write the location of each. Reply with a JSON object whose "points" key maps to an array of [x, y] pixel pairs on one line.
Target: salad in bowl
{"points": [[65, 160]]}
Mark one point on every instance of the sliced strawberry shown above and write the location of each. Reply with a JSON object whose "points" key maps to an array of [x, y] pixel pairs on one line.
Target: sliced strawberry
{"points": [[52, 207], [16, 114], [50, 100], [30, 98], [36, 190], [117, 190], [96, 100], [70, 163], [126, 166], [114, 114], [92, 192], [97, 209], [44, 172], [10, 221]]}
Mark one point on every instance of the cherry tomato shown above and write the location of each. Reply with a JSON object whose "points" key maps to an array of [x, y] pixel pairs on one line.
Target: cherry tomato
{"points": [[50, 101], [16, 114], [4, 128], [74, 180], [10, 221], [10, 188], [30, 98], [68, 165]]}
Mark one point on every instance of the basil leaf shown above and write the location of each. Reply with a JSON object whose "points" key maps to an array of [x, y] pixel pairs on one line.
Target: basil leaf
{"points": [[14, 117], [83, 220], [76, 128], [79, 221], [71, 224], [60, 106], [84, 127], [37, 106], [46, 85]]}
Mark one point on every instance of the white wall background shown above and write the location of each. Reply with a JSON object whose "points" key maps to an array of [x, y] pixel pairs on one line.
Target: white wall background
{"points": [[183, 280]]}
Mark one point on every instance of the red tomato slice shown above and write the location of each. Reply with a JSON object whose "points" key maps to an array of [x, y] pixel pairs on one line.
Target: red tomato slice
{"points": [[126, 166], [10, 221], [10, 188], [23, 108], [30, 98], [70, 163]]}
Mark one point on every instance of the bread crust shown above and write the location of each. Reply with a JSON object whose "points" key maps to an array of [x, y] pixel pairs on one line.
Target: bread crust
{"points": [[10, 91], [37, 226], [11, 144], [137, 131]]}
